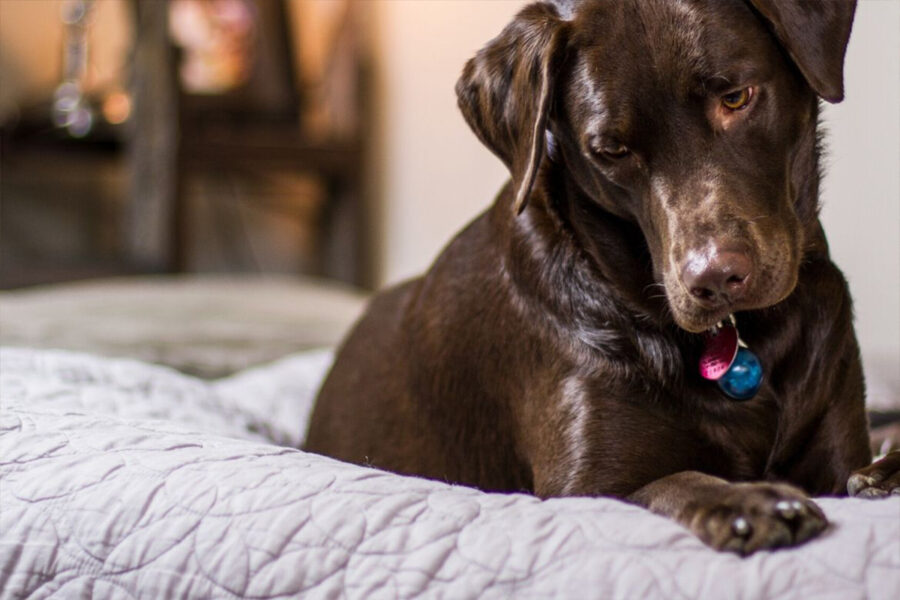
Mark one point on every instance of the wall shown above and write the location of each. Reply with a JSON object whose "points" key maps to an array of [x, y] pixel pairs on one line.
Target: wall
{"points": [[861, 195], [435, 176]]}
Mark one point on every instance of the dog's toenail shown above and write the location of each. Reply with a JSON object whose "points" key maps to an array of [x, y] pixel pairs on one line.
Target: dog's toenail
{"points": [[740, 526], [857, 482], [786, 509], [872, 492]]}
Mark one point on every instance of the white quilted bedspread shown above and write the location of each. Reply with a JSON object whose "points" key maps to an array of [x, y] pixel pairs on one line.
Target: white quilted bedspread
{"points": [[122, 479]]}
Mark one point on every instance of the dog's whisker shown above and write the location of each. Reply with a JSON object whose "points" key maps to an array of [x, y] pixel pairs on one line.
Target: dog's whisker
{"points": [[649, 287]]}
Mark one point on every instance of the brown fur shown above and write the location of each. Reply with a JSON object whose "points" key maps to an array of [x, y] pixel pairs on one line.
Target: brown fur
{"points": [[552, 346]]}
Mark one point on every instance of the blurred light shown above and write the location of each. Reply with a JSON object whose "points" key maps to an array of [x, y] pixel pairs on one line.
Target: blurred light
{"points": [[74, 11], [117, 108], [80, 122], [70, 110], [65, 99], [216, 38]]}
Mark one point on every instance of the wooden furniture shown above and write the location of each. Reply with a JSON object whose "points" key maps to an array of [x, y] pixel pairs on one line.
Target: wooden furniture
{"points": [[119, 200], [177, 134]]}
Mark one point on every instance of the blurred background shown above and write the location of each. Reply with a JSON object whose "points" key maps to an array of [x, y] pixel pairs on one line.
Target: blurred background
{"points": [[322, 137]]}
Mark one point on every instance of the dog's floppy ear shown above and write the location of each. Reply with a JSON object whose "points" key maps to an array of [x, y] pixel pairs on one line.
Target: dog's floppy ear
{"points": [[506, 91], [815, 34]]}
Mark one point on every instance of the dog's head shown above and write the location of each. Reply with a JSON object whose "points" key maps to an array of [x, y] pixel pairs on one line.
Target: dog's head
{"points": [[694, 119]]}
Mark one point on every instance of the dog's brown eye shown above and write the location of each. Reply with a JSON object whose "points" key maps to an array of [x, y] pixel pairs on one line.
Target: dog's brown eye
{"points": [[615, 150], [737, 100]]}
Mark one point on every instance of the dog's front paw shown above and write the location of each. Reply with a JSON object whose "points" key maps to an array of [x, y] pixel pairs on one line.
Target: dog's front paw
{"points": [[880, 479], [757, 516]]}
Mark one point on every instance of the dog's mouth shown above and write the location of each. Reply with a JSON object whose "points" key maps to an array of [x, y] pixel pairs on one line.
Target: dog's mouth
{"points": [[697, 315], [701, 320], [725, 274]]}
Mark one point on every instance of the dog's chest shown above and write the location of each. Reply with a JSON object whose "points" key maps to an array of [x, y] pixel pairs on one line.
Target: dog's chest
{"points": [[740, 435], [701, 430]]}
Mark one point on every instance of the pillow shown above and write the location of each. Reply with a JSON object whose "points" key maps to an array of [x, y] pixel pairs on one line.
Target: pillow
{"points": [[209, 326]]}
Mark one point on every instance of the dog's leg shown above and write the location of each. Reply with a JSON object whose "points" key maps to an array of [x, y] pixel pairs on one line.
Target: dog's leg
{"points": [[736, 517]]}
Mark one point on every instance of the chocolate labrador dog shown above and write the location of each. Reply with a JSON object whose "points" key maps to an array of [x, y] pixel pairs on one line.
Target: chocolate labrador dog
{"points": [[581, 337]]}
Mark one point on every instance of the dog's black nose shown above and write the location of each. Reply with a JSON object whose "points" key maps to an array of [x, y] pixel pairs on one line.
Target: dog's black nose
{"points": [[717, 276]]}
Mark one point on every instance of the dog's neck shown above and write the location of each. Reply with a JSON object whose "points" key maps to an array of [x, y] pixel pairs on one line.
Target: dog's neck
{"points": [[608, 251], [598, 286]]}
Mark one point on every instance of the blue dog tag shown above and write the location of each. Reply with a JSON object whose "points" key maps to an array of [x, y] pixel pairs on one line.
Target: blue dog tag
{"points": [[743, 378]]}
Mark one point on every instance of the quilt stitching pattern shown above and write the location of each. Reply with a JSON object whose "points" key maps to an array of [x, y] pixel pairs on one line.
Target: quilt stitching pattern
{"points": [[120, 479]]}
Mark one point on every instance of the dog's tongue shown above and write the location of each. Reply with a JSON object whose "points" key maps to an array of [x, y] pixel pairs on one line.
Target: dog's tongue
{"points": [[720, 349]]}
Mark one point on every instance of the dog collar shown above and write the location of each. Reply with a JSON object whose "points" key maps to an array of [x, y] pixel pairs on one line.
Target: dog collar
{"points": [[727, 361]]}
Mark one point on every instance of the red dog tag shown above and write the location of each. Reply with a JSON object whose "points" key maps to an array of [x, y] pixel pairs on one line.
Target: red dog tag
{"points": [[719, 352]]}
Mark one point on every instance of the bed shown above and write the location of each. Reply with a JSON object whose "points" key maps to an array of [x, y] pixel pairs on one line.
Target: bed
{"points": [[120, 478]]}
